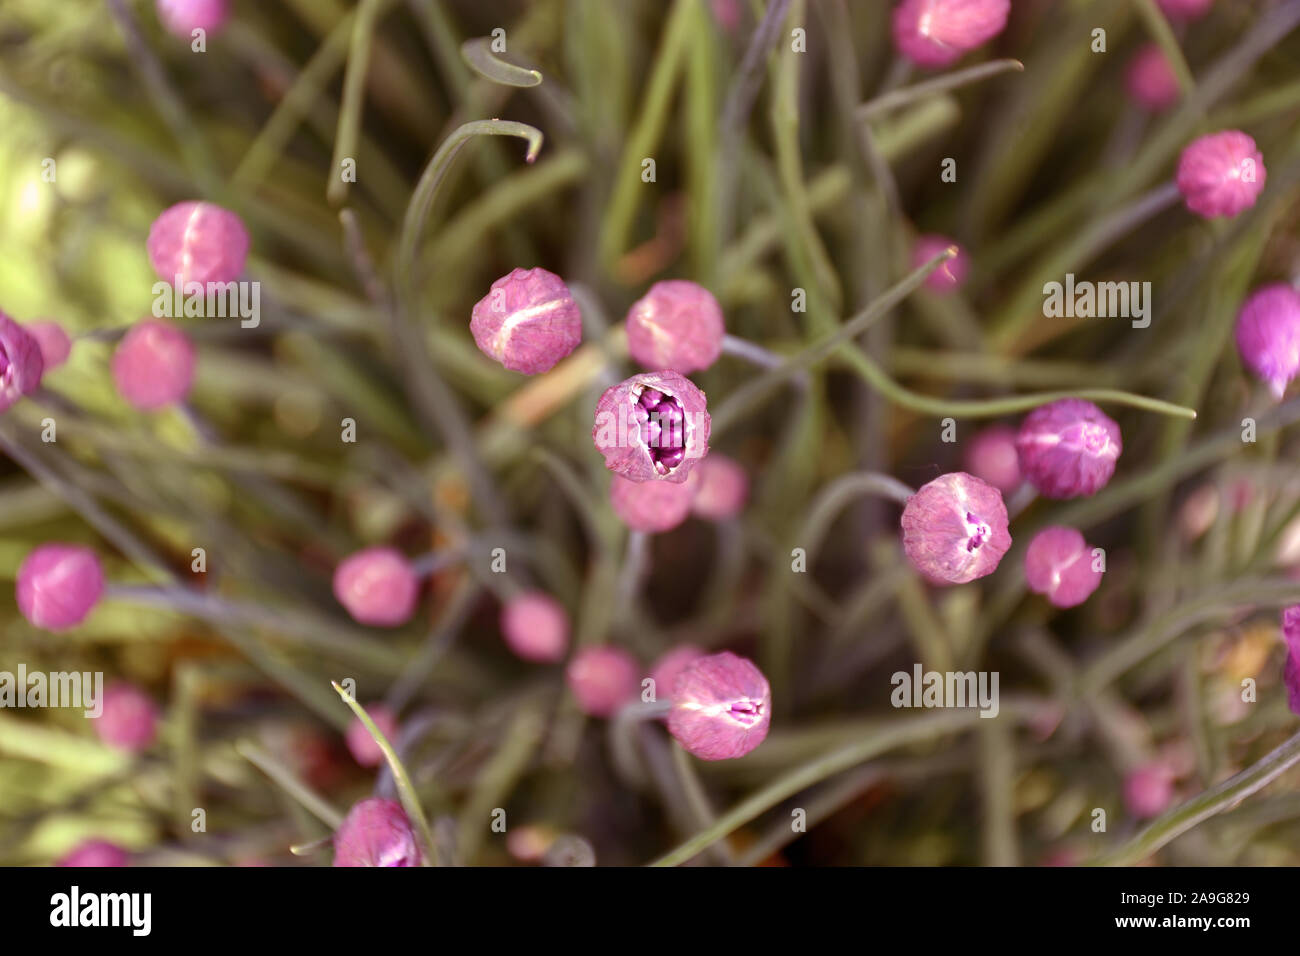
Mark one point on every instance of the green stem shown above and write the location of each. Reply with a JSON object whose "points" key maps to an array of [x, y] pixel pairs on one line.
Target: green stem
{"points": [[354, 90], [405, 789], [941, 84], [477, 52], [284, 778], [1216, 800]]}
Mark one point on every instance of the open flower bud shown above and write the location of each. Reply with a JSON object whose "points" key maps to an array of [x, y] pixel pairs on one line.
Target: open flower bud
{"points": [[1068, 448], [677, 325], [154, 365], [652, 427], [129, 720], [722, 706], [197, 241], [58, 585], [935, 33], [955, 529], [650, 506], [536, 626], [1221, 174], [528, 322], [1268, 335], [1059, 564], [378, 587], [21, 363], [376, 832], [603, 679]]}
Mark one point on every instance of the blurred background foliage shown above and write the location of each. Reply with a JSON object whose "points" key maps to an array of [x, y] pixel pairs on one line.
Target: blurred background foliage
{"points": [[807, 193]]}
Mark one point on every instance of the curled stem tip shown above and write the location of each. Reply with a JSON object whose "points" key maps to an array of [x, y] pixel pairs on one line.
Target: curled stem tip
{"points": [[477, 53]]}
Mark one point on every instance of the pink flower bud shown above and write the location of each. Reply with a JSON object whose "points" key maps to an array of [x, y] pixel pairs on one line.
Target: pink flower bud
{"points": [[677, 325], [53, 341], [1149, 790], [528, 322], [1058, 564], [1268, 335], [727, 13], [650, 506], [129, 720], [652, 427], [58, 584], [1068, 448], [991, 456], [183, 17], [153, 366], [1291, 678], [197, 242], [1291, 629], [96, 853], [934, 33], [536, 626], [721, 488], [376, 832], [722, 707], [949, 276], [1185, 9], [603, 679], [1150, 80], [670, 666], [363, 747], [1221, 174], [378, 587], [955, 529], [21, 364]]}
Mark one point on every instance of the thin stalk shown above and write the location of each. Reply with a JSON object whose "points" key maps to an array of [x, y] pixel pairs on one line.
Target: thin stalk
{"points": [[283, 777], [942, 84]]}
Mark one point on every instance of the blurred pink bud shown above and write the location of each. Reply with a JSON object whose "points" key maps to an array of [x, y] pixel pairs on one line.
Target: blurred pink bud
{"points": [[934, 33], [677, 325], [1221, 174], [1150, 80], [1199, 511], [670, 666], [378, 587], [949, 276], [603, 679], [1291, 628], [1268, 335], [1068, 448], [536, 626], [1291, 678], [652, 427], [991, 456], [1185, 9], [528, 322], [363, 747], [1149, 790], [721, 488], [153, 366], [198, 242], [129, 720], [96, 853], [58, 584], [21, 364], [1059, 564], [727, 13], [722, 706], [53, 341], [650, 506], [183, 17], [955, 529], [376, 832]]}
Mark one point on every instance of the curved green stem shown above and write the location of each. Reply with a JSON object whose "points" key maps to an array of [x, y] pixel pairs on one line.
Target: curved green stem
{"points": [[477, 52], [942, 84], [1200, 808]]}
